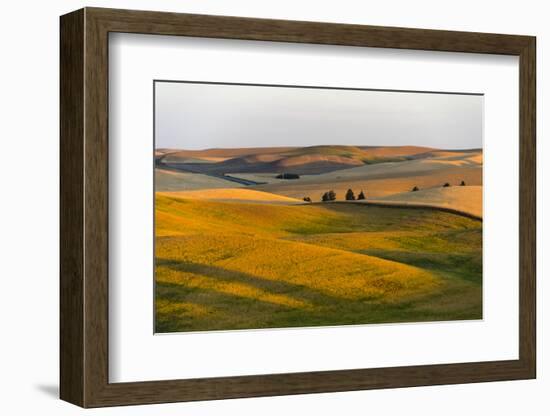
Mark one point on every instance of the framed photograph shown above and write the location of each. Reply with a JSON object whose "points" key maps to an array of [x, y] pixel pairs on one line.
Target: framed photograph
{"points": [[255, 207]]}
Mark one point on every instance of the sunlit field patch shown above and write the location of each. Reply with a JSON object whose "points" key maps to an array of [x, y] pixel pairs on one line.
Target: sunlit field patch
{"points": [[233, 265]]}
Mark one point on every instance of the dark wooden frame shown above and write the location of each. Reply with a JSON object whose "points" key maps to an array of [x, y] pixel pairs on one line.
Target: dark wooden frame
{"points": [[84, 207]]}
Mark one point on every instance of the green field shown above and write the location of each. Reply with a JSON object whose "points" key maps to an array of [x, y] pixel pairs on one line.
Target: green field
{"points": [[231, 265]]}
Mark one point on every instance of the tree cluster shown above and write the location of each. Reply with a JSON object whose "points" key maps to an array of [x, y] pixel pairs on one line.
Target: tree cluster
{"points": [[288, 176], [329, 196], [350, 196]]}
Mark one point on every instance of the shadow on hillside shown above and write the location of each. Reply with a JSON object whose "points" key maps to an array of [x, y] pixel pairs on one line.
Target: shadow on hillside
{"points": [[279, 287]]}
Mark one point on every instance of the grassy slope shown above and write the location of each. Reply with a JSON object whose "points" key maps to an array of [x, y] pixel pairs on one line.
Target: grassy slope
{"points": [[235, 265], [234, 194], [374, 187], [467, 199], [170, 181]]}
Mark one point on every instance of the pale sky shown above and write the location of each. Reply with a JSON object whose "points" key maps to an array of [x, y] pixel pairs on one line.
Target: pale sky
{"points": [[202, 116]]}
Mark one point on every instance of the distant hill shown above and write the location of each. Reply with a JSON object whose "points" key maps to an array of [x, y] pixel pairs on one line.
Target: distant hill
{"points": [[388, 151], [299, 160], [383, 179], [177, 154]]}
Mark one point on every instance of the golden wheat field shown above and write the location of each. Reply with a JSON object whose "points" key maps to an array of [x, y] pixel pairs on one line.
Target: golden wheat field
{"points": [[241, 261]]}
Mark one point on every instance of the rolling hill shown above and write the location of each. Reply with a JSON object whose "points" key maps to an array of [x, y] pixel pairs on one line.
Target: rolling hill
{"points": [[384, 179], [466, 199], [234, 265], [310, 160], [171, 180], [233, 194]]}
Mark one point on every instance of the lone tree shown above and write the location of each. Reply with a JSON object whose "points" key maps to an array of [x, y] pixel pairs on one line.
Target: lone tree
{"points": [[446, 185], [307, 199], [361, 195], [350, 196], [415, 189], [462, 183]]}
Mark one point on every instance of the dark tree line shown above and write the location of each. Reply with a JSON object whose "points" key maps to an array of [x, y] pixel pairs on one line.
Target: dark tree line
{"points": [[288, 176], [350, 196], [331, 196]]}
